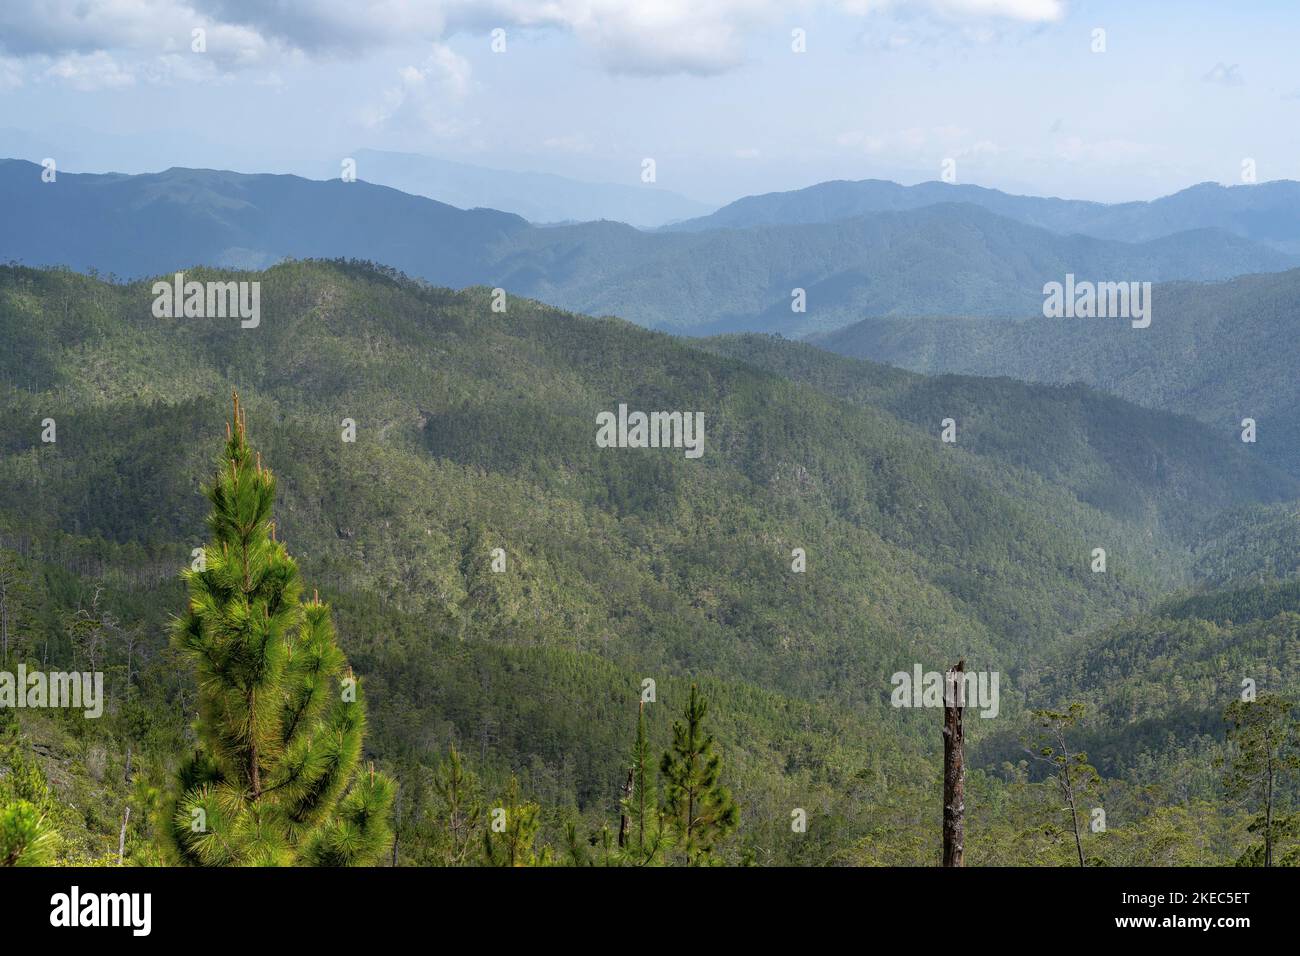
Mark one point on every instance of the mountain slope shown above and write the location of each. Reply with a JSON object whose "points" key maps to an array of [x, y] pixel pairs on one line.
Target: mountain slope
{"points": [[446, 391], [475, 431], [1169, 474], [1219, 352], [946, 259]]}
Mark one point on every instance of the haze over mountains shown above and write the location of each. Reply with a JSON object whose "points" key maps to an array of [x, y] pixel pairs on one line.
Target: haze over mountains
{"points": [[538, 197], [1264, 212], [939, 258]]}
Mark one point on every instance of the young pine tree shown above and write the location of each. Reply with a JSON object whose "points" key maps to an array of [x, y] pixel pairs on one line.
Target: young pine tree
{"points": [[512, 831], [274, 780], [459, 810], [701, 809], [647, 831]]}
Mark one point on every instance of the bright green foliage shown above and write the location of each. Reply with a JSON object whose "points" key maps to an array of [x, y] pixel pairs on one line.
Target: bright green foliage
{"points": [[280, 725], [701, 809], [26, 839], [649, 831], [28, 834], [512, 830]]}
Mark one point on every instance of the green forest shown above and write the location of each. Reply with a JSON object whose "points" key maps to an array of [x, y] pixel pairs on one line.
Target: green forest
{"points": [[394, 606]]}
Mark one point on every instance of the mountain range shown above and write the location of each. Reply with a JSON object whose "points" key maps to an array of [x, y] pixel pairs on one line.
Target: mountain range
{"points": [[1263, 212], [945, 258]]}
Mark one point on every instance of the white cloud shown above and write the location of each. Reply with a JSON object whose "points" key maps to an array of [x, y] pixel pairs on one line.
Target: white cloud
{"points": [[424, 94], [11, 73], [626, 36], [94, 71], [1027, 11]]}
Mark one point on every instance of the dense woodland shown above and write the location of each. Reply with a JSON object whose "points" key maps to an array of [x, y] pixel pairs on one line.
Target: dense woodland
{"points": [[523, 689]]}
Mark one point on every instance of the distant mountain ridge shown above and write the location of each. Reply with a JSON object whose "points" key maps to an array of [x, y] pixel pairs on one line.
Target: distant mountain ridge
{"points": [[538, 197], [1264, 212], [942, 259], [158, 222]]}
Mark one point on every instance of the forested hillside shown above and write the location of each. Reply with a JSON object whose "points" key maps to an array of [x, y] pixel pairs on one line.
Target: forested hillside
{"points": [[475, 430], [1220, 352], [1163, 471]]}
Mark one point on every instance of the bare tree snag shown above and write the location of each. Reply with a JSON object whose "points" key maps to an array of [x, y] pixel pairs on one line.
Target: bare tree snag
{"points": [[954, 769], [121, 836], [625, 822]]}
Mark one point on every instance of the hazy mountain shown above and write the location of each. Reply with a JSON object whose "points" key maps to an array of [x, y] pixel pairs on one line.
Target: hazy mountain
{"points": [[1265, 212], [1221, 352], [158, 222], [940, 259], [538, 197]]}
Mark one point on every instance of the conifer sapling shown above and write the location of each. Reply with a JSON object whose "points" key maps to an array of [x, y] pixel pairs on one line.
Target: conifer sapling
{"points": [[274, 780]]}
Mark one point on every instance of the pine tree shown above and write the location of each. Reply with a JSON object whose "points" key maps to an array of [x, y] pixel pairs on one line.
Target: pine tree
{"points": [[641, 807], [15, 596], [701, 809], [280, 721], [460, 810], [26, 837], [512, 830], [1265, 752]]}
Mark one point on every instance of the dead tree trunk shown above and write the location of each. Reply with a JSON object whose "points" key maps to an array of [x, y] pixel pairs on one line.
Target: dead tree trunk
{"points": [[954, 770], [121, 836], [625, 822]]}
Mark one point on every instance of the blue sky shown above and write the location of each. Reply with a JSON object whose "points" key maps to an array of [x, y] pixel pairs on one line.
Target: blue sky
{"points": [[711, 89]]}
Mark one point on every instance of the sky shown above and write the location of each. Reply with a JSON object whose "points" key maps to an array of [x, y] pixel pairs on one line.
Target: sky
{"points": [[1021, 95]]}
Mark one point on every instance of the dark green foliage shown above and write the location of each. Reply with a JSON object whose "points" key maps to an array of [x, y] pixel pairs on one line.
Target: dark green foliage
{"points": [[701, 809]]}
